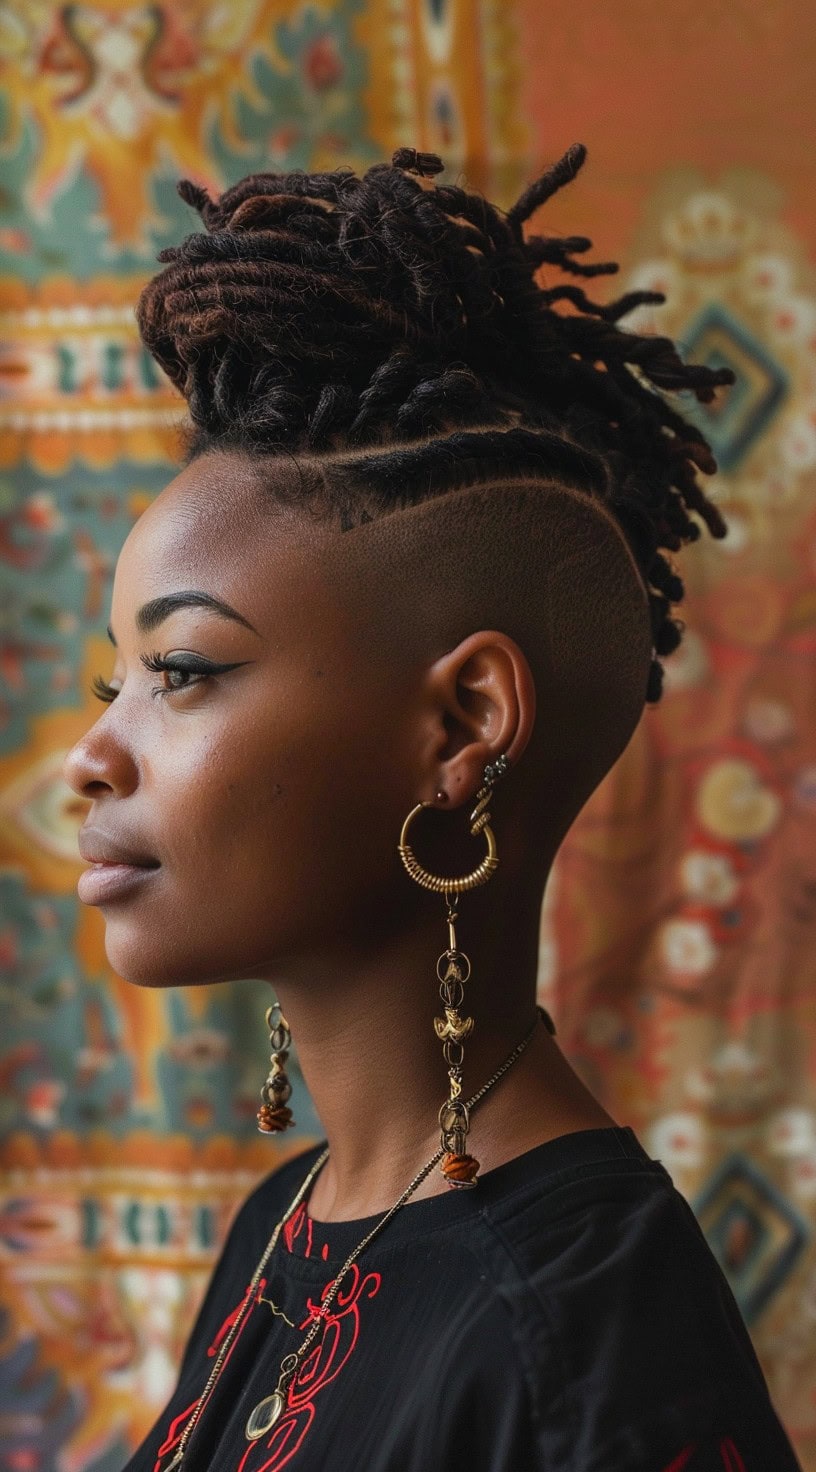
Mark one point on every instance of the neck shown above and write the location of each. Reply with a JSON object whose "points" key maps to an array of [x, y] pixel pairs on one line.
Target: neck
{"points": [[374, 1066]]}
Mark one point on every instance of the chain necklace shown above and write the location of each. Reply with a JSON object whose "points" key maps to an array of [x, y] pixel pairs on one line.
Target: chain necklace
{"points": [[268, 1410]]}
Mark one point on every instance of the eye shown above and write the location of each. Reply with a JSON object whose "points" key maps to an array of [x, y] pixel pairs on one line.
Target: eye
{"points": [[188, 668], [102, 690]]}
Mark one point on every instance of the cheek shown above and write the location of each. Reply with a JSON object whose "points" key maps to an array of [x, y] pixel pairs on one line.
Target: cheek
{"points": [[217, 813], [305, 825], [273, 842]]}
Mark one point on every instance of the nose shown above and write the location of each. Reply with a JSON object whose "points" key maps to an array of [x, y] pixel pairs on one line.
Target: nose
{"points": [[98, 763]]}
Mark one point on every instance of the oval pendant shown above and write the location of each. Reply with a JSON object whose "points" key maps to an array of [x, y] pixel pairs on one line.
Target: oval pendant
{"points": [[264, 1416]]}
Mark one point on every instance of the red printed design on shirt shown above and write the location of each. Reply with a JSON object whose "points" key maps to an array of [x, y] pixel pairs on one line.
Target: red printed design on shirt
{"points": [[177, 1425], [329, 1353], [697, 1458], [300, 1224], [173, 1436]]}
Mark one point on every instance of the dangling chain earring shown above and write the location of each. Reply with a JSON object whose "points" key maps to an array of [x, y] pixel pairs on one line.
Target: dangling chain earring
{"points": [[453, 970], [273, 1114]]}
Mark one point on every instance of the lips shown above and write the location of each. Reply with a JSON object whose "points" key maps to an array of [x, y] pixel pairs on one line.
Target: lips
{"points": [[97, 847]]}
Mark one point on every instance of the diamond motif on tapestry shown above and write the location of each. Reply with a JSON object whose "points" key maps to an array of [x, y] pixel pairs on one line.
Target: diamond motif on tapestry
{"points": [[755, 1233], [734, 421]]}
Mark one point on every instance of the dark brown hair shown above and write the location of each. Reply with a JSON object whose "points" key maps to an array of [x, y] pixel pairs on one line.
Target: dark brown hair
{"points": [[401, 323]]}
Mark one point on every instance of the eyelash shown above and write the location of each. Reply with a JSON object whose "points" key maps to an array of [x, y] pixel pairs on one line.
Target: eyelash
{"points": [[103, 691]]}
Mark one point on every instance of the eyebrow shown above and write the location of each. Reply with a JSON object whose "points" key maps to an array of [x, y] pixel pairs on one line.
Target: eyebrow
{"points": [[152, 614]]}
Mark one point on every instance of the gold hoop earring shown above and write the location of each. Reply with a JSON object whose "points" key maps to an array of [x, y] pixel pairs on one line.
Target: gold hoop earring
{"points": [[453, 970]]}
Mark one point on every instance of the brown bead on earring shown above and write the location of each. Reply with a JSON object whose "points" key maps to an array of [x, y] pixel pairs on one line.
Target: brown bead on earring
{"points": [[273, 1115]]}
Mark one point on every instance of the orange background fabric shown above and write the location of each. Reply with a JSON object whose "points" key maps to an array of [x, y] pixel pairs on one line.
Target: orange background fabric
{"points": [[679, 926]]}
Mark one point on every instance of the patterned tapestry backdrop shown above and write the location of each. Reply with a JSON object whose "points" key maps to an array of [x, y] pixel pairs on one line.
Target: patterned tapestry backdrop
{"points": [[679, 926]]}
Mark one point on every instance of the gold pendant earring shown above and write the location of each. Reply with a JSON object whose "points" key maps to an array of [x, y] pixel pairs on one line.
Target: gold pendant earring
{"points": [[453, 970], [273, 1115]]}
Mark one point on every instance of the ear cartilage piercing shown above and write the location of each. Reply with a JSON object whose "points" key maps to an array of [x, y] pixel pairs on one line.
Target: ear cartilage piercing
{"points": [[273, 1115]]}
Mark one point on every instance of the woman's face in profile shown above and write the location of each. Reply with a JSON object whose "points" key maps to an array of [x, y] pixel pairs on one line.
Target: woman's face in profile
{"points": [[264, 777]]}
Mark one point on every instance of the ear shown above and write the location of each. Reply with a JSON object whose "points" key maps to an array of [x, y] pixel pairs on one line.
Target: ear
{"points": [[482, 704]]}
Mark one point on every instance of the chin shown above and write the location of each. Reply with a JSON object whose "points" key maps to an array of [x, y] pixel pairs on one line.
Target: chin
{"points": [[141, 964]]}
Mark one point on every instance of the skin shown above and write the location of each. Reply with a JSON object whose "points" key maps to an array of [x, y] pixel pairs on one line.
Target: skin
{"points": [[273, 795]]}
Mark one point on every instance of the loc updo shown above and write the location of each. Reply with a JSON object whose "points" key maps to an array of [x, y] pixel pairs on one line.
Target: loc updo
{"points": [[400, 324]]}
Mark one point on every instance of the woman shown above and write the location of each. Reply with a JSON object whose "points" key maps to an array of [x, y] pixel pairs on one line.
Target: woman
{"points": [[412, 562]]}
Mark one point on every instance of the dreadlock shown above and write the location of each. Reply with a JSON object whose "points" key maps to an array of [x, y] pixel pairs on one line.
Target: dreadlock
{"points": [[395, 329]]}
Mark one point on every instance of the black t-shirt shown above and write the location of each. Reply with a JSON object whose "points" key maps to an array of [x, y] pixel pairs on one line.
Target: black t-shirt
{"points": [[567, 1315]]}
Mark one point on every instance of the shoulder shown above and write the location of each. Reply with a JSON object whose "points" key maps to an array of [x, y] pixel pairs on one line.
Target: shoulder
{"points": [[611, 1235], [609, 1244], [632, 1343]]}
